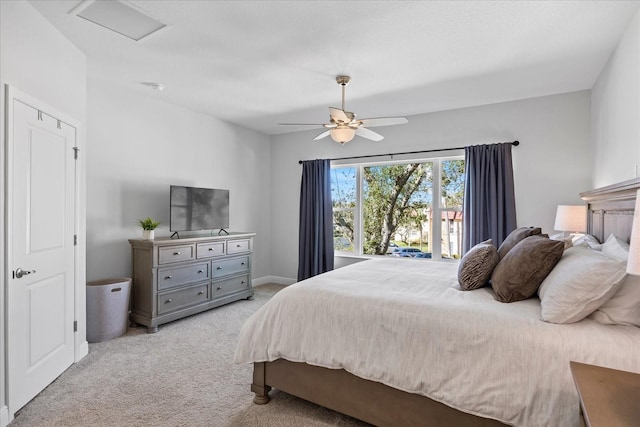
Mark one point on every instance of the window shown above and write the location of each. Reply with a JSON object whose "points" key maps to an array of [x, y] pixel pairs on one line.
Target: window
{"points": [[343, 198], [381, 208]]}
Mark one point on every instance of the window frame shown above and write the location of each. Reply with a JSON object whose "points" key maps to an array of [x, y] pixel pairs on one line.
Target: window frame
{"points": [[436, 205]]}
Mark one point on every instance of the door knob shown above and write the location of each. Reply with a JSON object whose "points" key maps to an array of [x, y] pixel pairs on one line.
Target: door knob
{"points": [[20, 272]]}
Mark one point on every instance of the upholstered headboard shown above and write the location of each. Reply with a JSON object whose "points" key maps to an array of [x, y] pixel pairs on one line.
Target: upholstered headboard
{"points": [[610, 209]]}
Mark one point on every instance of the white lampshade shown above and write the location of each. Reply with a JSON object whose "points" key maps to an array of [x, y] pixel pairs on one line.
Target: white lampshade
{"points": [[633, 265], [571, 218], [342, 134]]}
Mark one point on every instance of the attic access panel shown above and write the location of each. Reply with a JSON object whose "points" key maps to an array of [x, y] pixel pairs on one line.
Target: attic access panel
{"points": [[120, 17]]}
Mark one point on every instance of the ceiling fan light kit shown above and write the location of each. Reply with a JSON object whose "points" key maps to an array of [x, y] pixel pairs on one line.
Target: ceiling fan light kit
{"points": [[344, 126], [342, 134]]}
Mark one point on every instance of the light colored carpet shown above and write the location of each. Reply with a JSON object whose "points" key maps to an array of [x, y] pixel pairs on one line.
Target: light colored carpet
{"points": [[183, 375]]}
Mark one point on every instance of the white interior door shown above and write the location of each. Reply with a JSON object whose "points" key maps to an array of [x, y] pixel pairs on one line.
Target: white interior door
{"points": [[40, 249]]}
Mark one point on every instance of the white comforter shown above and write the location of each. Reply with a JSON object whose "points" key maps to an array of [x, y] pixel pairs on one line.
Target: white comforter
{"points": [[407, 324]]}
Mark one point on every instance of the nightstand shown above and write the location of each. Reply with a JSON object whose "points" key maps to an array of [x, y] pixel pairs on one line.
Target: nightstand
{"points": [[608, 397]]}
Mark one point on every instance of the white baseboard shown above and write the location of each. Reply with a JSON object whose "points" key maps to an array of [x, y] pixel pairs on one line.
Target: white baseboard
{"points": [[273, 279], [4, 416]]}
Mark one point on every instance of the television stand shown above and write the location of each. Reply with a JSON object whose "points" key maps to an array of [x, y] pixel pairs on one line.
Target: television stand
{"points": [[173, 279]]}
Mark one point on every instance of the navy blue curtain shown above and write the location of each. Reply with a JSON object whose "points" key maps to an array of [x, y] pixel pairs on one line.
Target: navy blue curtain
{"points": [[315, 247], [489, 209]]}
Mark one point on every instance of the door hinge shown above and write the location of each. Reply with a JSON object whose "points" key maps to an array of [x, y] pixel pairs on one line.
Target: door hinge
{"points": [[75, 240], [75, 152], [75, 326]]}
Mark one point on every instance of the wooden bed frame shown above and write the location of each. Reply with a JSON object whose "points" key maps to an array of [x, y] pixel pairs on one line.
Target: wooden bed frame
{"points": [[609, 210]]}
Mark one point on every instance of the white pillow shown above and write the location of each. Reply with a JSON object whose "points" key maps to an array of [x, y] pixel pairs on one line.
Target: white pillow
{"points": [[624, 307], [580, 283], [589, 241], [616, 248]]}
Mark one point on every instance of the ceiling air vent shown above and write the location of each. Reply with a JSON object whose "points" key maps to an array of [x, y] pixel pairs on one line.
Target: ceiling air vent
{"points": [[118, 16]]}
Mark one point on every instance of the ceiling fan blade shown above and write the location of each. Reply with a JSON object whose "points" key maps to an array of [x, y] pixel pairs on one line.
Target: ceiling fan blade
{"points": [[338, 115], [301, 124], [383, 121], [369, 134], [322, 135]]}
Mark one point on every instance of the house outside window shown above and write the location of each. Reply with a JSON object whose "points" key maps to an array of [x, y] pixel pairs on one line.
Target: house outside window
{"points": [[379, 208]]}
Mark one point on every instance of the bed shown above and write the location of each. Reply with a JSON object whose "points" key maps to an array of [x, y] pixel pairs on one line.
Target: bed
{"points": [[397, 342]]}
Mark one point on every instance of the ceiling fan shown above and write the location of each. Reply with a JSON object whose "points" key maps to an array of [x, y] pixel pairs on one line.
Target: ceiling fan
{"points": [[343, 125]]}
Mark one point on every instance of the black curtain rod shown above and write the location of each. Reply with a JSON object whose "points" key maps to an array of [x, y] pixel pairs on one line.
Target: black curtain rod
{"points": [[514, 143]]}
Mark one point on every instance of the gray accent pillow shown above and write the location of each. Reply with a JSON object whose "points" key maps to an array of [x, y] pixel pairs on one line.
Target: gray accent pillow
{"points": [[516, 236], [519, 274], [476, 265]]}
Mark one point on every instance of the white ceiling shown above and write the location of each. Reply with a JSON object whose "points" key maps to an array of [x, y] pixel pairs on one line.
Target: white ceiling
{"points": [[260, 63]]}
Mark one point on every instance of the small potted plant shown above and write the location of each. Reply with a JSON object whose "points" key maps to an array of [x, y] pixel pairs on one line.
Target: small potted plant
{"points": [[148, 226]]}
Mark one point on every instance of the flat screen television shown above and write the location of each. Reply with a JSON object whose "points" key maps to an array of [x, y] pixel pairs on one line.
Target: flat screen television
{"points": [[194, 209]]}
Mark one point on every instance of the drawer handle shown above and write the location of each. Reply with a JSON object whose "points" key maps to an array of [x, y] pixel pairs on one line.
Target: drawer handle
{"points": [[218, 288], [219, 268], [242, 263], [169, 301], [243, 282], [200, 271], [238, 246], [168, 277], [211, 249], [201, 293], [176, 253]]}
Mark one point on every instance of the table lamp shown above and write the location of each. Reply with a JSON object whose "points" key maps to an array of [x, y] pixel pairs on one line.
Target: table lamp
{"points": [[571, 218]]}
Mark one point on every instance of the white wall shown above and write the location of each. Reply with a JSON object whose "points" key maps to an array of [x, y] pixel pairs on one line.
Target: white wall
{"points": [[551, 165], [36, 59], [39, 60], [615, 112], [138, 146]]}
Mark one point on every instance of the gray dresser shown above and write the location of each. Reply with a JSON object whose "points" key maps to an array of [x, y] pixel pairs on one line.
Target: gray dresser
{"points": [[174, 278]]}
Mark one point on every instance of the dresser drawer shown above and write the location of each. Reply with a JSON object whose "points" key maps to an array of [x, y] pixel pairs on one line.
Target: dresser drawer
{"points": [[169, 301], [208, 250], [170, 254], [226, 267], [170, 277], [238, 246], [230, 286]]}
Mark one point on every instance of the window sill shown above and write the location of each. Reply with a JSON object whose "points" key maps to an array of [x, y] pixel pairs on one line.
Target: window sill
{"points": [[346, 255], [354, 256]]}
